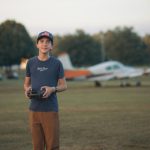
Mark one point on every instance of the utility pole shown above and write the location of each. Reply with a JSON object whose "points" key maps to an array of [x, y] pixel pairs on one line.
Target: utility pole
{"points": [[102, 46]]}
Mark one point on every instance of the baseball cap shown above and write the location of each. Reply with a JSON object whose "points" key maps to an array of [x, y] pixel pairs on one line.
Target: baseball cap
{"points": [[45, 34]]}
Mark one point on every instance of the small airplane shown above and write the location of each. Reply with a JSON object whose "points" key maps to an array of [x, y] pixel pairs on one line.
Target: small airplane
{"points": [[105, 71]]}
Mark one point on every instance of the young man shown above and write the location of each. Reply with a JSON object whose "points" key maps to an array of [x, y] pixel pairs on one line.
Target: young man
{"points": [[44, 72]]}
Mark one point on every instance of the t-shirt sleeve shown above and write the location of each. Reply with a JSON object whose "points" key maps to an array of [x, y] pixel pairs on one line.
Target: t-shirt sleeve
{"points": [[28, 73], [60, 71]]}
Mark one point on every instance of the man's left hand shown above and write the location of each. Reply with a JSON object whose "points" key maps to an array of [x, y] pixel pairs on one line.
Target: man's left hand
{"points": [[48, 91]]}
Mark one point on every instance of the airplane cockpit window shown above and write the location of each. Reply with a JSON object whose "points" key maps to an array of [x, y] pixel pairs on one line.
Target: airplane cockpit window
{"points": [[116, 66], [109, 68]]}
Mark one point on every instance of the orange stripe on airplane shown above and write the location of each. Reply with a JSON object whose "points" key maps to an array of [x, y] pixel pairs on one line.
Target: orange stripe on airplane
{"points": [[69, 74]]}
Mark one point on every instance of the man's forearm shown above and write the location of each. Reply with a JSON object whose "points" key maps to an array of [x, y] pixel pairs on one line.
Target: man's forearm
{"points": [[60, 88], [27, 83], [26, 87]]}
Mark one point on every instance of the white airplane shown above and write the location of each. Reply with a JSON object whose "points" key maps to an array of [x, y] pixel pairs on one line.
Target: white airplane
{"points": [[102, 72]]}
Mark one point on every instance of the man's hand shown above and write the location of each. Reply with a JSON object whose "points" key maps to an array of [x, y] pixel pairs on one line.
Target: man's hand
{"points": [[27, 91], [48, 91]]}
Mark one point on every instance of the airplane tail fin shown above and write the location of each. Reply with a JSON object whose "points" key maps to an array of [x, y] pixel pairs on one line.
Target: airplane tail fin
{"points": [[65, 59]]}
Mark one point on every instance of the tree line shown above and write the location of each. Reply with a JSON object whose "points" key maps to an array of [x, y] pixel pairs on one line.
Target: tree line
{"points": [[122, 44]]}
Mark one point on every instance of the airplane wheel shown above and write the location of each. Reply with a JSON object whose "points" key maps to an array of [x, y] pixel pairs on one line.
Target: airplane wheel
{"points": [[138, 83], [97, 84], [122, 85], [128, 84]]}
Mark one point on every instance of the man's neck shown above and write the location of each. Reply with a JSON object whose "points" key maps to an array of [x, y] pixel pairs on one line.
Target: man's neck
{"points": [[43, 57]]}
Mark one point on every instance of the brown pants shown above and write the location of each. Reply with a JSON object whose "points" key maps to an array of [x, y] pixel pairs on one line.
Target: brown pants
{"points": [[45, 130]]}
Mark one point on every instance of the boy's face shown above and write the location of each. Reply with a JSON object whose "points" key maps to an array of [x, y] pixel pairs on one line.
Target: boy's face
{"points": [[44, 45]]}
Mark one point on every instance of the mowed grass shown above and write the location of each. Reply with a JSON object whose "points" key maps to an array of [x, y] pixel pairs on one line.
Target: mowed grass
{"points": [[107, 118]]}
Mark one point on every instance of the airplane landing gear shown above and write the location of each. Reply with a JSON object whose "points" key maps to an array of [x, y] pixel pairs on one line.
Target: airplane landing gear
{"points": [[138, 83], [125, 84], [98, 84]]}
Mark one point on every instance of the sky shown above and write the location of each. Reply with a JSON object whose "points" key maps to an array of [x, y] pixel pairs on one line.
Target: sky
{"points": [[66, 16]]}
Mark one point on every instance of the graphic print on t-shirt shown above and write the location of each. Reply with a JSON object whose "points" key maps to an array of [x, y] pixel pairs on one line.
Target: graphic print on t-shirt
{"points": [[42, 68]]}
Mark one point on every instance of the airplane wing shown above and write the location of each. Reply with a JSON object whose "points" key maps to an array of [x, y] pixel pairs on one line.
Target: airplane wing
{"points": [[128, 72]]}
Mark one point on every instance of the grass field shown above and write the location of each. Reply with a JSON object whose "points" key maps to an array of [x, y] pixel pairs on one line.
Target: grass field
{"points": [[108, 118]]}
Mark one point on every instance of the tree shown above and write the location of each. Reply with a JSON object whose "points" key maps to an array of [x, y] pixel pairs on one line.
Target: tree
{"points": [[15, 43], [82, 48], [146, 40], [124, 45], [56, 50]]}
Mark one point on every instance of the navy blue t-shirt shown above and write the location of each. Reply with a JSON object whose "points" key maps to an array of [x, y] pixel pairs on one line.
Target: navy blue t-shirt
{"points": [[44, 73]]}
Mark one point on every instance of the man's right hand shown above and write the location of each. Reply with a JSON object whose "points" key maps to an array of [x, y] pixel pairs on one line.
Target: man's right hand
{"points": [[27, 92]]}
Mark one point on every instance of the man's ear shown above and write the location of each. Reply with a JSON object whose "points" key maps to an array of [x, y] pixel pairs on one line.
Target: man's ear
{"points": [[51, 47]]}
